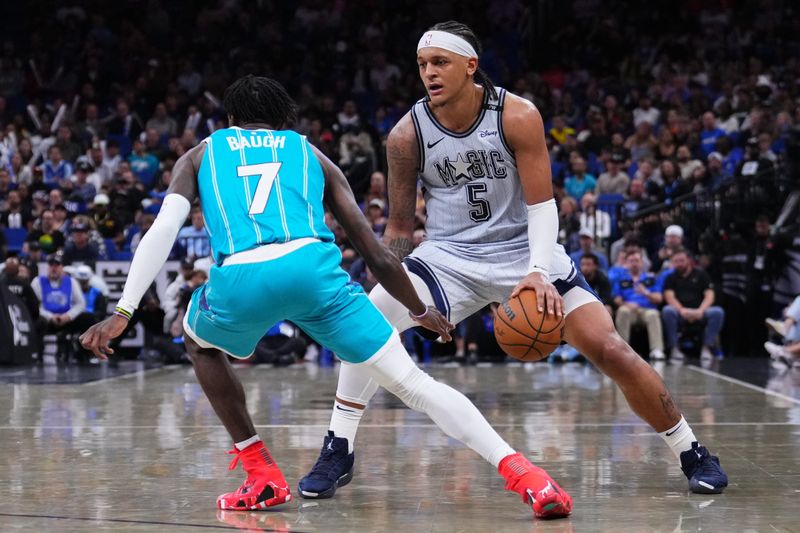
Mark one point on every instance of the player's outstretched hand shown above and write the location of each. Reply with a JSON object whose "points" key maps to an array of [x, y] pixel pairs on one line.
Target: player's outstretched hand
{"points": [[435, 321], [97, 337], [547, 297]]}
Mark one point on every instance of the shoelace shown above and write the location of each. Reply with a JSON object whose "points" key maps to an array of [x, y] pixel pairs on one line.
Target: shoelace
{"points": [[236, 453], [326, 460]]}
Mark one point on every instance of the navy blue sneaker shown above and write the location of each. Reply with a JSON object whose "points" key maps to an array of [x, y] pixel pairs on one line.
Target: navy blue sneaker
{"points": [[333, 469], [705, 474]]}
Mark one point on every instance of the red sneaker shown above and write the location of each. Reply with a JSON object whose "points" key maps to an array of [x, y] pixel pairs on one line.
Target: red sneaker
{"points": [[536, 487], [264, 486]]}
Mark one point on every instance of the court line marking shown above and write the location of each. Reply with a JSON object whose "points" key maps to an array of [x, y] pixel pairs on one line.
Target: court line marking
{"points": [[745, 384], [129, 375], [131, 521], [416, 426]]}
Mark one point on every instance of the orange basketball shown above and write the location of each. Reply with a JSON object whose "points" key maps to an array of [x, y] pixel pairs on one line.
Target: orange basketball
{"points": [[523, 332]]}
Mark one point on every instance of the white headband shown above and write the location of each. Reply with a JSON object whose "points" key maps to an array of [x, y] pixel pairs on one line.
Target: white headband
{"points": [[446, 41]]}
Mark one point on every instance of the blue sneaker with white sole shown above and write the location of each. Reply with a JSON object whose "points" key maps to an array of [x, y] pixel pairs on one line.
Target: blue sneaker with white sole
{"points": [[333, 469], [703, 470]]}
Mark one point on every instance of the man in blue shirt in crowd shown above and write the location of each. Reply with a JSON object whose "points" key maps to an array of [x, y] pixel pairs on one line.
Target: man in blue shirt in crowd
{"points": [[638, 295], [709, 134]]}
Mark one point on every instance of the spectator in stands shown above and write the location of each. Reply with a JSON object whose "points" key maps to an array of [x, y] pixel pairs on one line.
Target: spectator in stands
{"points": [[718, 175], [377, 187], [569, 223], [30, 258], [20, 172], [82, 188], [787, 354], [686, 164], [594, 220], [596, 138], [753, 164], [348, 116], [673, 242], [61, 308], [587, 246], [645, 112], [78, 248], [376, 210], [96, 303], [111, 160], [637, 295], [70, 150], [383, 74], [560, 130], [635, 199], [765, 147], [14, 214], [613, 180], [55, 168], [20, 286], [597, 280], [580, 182], [673, 187], [666, 145], [194, 238], [49, 238], [125, 200], [165, 125], [642, 143], [172, 293], [143, 165], [710, 133], [124, 123], [689, 295]]}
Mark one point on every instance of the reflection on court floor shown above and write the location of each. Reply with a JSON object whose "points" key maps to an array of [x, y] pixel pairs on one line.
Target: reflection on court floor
{"points": [[144, 451]]}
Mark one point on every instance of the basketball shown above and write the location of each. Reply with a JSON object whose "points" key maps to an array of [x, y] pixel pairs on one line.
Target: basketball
{"points": [[523, 332]]}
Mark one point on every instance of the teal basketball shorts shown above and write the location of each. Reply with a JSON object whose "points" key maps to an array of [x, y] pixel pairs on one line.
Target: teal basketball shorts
{"points": [[240, 302]]}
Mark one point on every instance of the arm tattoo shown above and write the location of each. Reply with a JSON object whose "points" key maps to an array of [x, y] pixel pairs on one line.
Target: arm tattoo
{"points": [[400, 247]]}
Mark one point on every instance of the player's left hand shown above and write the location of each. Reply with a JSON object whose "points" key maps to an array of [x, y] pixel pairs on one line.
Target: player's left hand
{"points": [[547, 297], [435, 321], [97, 337]]}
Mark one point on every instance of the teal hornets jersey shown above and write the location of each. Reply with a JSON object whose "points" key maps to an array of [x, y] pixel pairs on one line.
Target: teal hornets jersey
{"points": [[260, 187]]}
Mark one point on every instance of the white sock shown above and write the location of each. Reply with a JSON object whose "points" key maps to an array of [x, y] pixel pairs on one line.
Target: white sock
{"points": [[344, 422], [394, 370], [245, 443], [679, 437]]}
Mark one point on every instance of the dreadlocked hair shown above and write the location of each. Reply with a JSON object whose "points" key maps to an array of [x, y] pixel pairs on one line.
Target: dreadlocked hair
{"points": [[466, 33], [254, 99]]}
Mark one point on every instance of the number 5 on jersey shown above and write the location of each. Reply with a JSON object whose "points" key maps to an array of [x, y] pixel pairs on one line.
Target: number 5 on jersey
{"points": [[267, 172]]}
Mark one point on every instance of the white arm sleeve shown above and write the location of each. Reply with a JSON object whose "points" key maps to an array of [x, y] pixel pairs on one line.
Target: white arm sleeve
{"points": [[154, 249], [542, 235]]}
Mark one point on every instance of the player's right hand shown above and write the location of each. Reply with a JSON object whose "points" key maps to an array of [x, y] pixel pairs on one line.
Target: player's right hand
{"points": [[435, 321], [97, 337]]}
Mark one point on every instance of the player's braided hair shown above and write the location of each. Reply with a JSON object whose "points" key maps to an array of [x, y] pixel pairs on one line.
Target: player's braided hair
{"points": [[258, 99], [466, 33]]}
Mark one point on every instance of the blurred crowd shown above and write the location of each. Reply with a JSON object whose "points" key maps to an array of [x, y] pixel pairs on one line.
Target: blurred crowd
{"points": [[644, 106]]}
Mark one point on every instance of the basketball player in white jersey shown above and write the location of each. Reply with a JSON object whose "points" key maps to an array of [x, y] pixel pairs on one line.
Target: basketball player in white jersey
{"points": [[492, 227]]}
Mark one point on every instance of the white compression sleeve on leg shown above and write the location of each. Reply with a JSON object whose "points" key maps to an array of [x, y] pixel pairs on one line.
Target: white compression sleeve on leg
{"points": [[542, 235], [154, 249], [394, 370], [355, 385]]}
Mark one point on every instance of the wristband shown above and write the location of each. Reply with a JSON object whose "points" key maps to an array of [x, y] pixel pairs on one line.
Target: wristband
{"points": [[119, 311], [419, 317]]}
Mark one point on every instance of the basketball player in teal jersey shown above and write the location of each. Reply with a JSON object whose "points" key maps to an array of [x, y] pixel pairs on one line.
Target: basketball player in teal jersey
{"points": [[261, 189], [492, 226]]}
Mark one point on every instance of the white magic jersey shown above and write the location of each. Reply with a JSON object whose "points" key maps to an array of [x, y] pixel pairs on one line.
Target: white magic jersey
{"points": [[477, 246], [472, 189]]}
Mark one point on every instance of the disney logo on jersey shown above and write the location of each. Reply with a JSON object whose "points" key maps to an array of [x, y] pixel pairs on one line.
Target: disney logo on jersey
{"points": [[487, 133], [472, 165]]}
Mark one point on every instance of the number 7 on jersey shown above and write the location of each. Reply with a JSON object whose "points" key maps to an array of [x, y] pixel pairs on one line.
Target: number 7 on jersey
{"points": [[267, 172]]}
